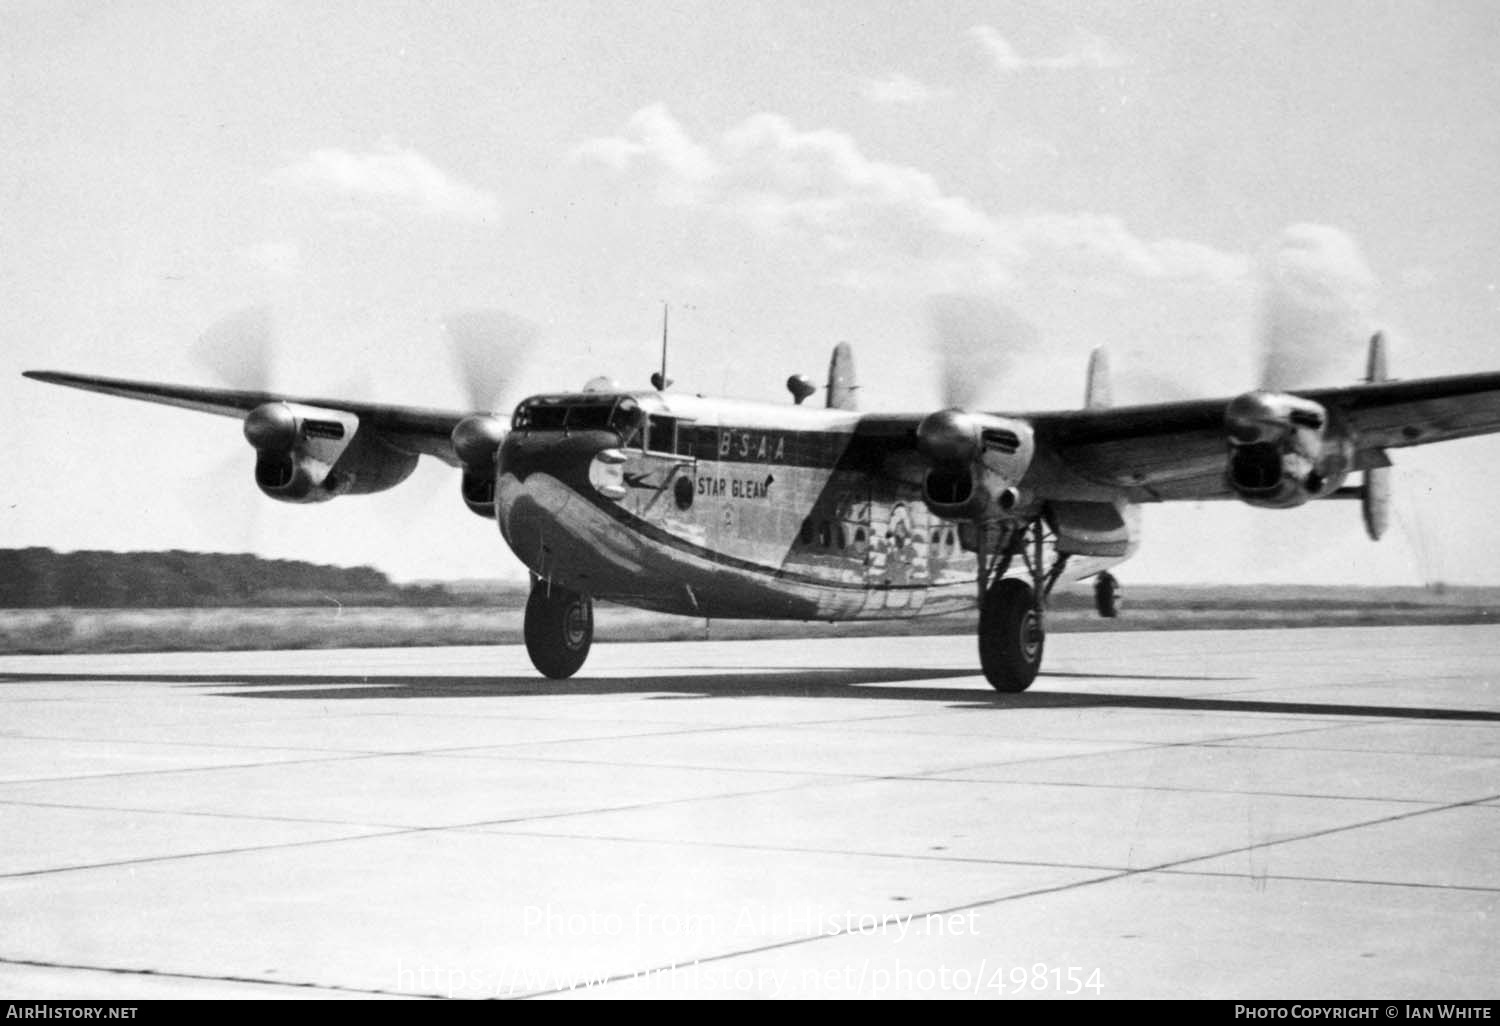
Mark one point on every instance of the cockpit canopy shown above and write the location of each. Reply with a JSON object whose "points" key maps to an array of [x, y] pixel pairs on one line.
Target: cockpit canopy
{"points": [[583, 411], [640, 420]]}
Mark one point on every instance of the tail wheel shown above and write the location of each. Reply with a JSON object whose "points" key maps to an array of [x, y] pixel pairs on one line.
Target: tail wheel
{"points": [[559, 630], [1011, 635], [1107, 595]]}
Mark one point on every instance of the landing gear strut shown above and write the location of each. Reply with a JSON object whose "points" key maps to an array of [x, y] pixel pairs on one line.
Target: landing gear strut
{"points": [[559, 629], [1012, 631]]}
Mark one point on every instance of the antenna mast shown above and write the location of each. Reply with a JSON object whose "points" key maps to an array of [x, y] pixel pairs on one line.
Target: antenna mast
{"points": [[660, 381]]}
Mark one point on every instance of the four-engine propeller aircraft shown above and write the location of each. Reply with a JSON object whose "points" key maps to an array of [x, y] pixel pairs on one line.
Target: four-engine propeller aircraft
{"points": [[731, 509]]}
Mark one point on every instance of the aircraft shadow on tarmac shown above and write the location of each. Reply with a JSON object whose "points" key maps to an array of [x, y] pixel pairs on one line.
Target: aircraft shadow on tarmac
{"points": [[865, 683]]}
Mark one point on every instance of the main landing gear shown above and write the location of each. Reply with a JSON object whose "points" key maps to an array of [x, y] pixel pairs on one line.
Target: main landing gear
{"points": [[559, 629], [1012, 632], [1011, 635]]}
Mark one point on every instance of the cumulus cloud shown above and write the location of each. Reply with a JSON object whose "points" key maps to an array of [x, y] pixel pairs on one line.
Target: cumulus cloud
{"points": [[1084, 243], [819, 182], [897, 89], [819, 185], [653, 137], [392, 174], [1083, 51]]}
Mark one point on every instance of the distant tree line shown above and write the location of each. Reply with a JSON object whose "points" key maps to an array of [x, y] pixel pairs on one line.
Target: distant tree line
{"points": [[32, 578]]}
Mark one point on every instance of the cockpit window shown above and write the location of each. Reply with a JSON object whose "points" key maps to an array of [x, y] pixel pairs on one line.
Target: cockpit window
{"points": [[628, 419], [540, 416], [620, 414], [588, 418]]}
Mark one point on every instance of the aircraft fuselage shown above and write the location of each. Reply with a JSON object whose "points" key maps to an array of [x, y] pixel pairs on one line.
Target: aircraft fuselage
{"points": [[728, 509]]}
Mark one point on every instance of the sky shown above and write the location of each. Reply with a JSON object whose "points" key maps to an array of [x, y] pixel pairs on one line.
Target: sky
{"points": [[973, 194]]}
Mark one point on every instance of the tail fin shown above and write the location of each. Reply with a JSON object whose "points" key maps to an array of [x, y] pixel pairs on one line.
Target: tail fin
{"points": [[1097, 394], [1375, 366], [841, 386], [1375, 497]]}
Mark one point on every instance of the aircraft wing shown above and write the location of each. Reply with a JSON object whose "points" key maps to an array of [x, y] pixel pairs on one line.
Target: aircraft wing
{"points": [[410, 429], [1176, 451]]}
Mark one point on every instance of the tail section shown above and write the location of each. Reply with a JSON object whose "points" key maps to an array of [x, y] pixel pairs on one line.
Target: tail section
{"points": [[841, 386], [1097, 393], [1375, 363]]}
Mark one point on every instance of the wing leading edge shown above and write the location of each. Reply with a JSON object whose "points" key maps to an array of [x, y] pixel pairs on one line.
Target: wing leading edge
{"points": [[410, 429], [1154, 453]]}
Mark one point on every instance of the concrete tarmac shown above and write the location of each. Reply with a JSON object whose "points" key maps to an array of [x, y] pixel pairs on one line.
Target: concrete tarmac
{"points": [[1250, 814]]}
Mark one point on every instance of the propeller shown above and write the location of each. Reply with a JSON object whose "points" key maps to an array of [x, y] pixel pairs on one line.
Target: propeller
{"points": [[1317, 293], [978, 341], [238, 350], [489, 348], [1318, 296], [977, 338]]}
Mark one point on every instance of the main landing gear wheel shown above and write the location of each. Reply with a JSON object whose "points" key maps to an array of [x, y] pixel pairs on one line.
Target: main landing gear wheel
{"points": [[559, 630], [1011, 635]]}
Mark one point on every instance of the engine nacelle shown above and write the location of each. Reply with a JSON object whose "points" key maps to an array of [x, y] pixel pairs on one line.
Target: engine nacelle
{"points": [[1282, 450], [308, 454], [976, 463], [476, 441]]}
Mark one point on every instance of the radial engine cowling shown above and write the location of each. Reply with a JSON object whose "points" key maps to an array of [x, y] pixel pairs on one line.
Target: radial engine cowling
{"points": [[1283, 450], [308, 454], [975, 463], [476, 441]]}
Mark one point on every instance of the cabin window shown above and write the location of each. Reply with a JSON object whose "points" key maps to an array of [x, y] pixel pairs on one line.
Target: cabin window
{"points": [[661, 433], [839, 534], [807, 531]]}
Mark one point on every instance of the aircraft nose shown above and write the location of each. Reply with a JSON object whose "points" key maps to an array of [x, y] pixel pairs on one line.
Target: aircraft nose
{"points": [[531, 514], [563, 455], [540, 473], [524, 511]]}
